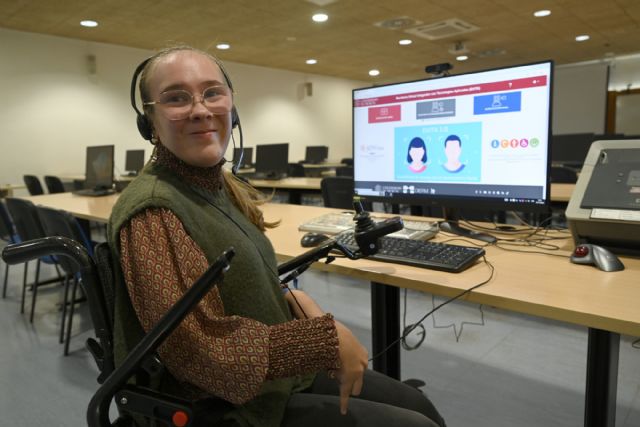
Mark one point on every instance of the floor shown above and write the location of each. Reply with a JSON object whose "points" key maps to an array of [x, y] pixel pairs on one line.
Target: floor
{"points": [[514, 370]]}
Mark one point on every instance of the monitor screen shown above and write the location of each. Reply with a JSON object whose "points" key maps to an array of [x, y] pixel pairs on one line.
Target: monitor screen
{"points": [[272, 158], [134, 161], [99, 167], [570, 149], [247, 156], [316, 154], [477, 140]]}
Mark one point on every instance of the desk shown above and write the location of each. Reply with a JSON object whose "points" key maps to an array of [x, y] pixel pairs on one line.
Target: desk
{"points": [[539, 285]]}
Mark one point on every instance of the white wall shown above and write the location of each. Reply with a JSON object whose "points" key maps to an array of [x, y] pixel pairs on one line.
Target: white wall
{"points": [[53, 106]]}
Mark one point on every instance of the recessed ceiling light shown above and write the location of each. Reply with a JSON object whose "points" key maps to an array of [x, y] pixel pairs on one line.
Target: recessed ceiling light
{"points": [[311, 61], [223, 46], [541, 13], [405, 42], [462, 57], [374, 72], [320, 17], [582, 38], [88, 23]]}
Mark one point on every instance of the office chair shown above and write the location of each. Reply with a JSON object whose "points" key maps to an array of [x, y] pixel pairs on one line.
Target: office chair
{"points": [[347, 161], [337, 192], [7, 234], [28, 226], [60, 223], [562, 174], [344, 171], [295, 170], [33, 185], [54, 184]]}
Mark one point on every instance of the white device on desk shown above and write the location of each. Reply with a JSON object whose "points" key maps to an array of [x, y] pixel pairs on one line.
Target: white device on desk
{"points": [[604, 208], [335, 223]]}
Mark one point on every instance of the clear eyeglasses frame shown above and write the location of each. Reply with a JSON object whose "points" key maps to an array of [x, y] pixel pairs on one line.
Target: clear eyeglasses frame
{"points": [[177, 104]]}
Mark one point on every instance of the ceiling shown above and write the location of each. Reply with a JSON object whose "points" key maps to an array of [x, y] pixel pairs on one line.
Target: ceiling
{"points": [[281, 34]]}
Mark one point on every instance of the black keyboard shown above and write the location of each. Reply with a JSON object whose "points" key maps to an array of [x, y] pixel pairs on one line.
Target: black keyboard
{"points": [[419, 253], [93, 192]]}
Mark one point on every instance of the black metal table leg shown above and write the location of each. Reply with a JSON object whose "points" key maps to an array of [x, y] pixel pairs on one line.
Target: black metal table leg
{"points": [[602, 378], [385, 328]]}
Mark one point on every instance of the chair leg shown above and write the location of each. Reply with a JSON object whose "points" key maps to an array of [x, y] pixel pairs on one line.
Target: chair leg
{"points": [[6, 277], [24, 286], [34, 292], [64, 307], [70, 321]]}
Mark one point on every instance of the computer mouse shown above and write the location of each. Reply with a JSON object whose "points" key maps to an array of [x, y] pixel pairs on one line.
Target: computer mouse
{"points": [[602, 258], [311, 239]]}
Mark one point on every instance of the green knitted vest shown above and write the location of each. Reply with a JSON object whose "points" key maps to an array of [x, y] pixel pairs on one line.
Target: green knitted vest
{"points": [[250, 289]]}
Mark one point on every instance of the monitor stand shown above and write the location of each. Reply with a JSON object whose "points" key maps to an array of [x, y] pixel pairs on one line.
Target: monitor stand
{"points": [[451, 225]]}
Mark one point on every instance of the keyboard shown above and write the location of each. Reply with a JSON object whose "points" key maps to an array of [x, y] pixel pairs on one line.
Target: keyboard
{"points": [[419, 253], [93, 192]]}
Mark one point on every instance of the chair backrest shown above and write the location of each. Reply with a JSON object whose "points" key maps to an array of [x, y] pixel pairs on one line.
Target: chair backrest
{"points": [[337, 192], [25, 217], [33, 185], [7, 229], [344, 171], [295, 170], [561, 174], [54, 184], [61, 223], [347, 161]]}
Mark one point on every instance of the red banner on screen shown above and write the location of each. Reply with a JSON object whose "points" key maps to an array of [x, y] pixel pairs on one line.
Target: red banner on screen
{"points": [[390, 113], [505, 85]]}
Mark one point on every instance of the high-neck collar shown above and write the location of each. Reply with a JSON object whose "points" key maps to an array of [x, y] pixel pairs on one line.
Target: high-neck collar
{"points": [[209, 179]]}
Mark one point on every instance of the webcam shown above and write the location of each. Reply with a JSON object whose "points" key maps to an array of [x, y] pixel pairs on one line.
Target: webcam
{"points": [[438, 69]]}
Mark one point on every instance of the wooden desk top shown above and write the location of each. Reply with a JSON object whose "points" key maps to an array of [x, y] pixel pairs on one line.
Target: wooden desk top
{"points": [[537, 284], [288, 183], [561, 192], [92, 208]]}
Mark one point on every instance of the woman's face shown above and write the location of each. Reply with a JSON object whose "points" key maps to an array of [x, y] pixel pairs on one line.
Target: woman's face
{"points": [[201, 139], [416, 154]]}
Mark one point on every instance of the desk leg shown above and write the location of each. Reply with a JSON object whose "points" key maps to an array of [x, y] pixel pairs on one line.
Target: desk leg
{"points": [[295, 197], [602, 378], [385, 328]]}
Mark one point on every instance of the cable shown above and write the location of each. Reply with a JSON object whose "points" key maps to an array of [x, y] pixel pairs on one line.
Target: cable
{"points": [[457, 333], [636, 343], [419, 322], [422, 333]]}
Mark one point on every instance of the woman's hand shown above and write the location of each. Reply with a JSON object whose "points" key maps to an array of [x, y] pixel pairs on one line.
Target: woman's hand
{"points": [[353, 363]]}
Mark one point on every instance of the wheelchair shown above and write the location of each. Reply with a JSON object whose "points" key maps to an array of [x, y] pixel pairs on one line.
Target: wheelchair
{"points": [[140, 400]]}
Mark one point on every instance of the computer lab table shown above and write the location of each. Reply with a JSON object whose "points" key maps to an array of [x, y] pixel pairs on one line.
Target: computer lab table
{"points": [[536, 284]]}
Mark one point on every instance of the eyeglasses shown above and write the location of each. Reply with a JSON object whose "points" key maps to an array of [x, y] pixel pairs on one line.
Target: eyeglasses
{"points": [[177, 104]]}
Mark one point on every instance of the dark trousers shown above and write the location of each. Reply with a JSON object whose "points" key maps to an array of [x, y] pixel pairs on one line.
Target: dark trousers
{"points": [[384, 402]]}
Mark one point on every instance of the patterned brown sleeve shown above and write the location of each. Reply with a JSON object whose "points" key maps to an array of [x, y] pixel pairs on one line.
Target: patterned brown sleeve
{"points": [[227, 356]]}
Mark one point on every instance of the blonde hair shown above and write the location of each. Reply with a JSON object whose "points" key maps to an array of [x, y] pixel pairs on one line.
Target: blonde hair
{"points": [[245, 197]]}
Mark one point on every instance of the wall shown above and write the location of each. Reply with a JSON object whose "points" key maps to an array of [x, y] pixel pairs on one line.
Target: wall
{"points": [[54, 105]]}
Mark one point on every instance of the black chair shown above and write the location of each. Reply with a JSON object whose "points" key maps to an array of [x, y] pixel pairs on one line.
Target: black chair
{"points": [[562, 174], [348, 161], [337, 192], [295, 170], [54, 184], [60, 223], [28, 226], [344, 171], [33, 185], [7, 234]]}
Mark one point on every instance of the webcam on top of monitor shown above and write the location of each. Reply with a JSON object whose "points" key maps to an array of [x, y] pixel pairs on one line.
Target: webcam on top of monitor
{"points": [[438, 69]]}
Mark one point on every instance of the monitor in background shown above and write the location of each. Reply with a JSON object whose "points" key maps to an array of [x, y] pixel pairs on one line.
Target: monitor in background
{"points": [[570, 149], [477, 140], [316, 154], [134, 162], [98, 171], [272, 160], [247, 157]]}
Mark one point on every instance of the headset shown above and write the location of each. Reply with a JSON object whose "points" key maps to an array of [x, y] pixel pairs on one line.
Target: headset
{"points": [[144, 127]]}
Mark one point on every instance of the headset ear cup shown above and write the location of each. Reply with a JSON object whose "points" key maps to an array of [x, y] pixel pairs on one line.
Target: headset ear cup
{"points": [[143, 127], [235, 120]]}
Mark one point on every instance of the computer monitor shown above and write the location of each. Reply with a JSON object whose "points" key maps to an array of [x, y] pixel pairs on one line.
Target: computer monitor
{"points": [[570, 149], [478, 140], [134, 161], [99, 167], [272, 159], [247, 157], [316, 154]]}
